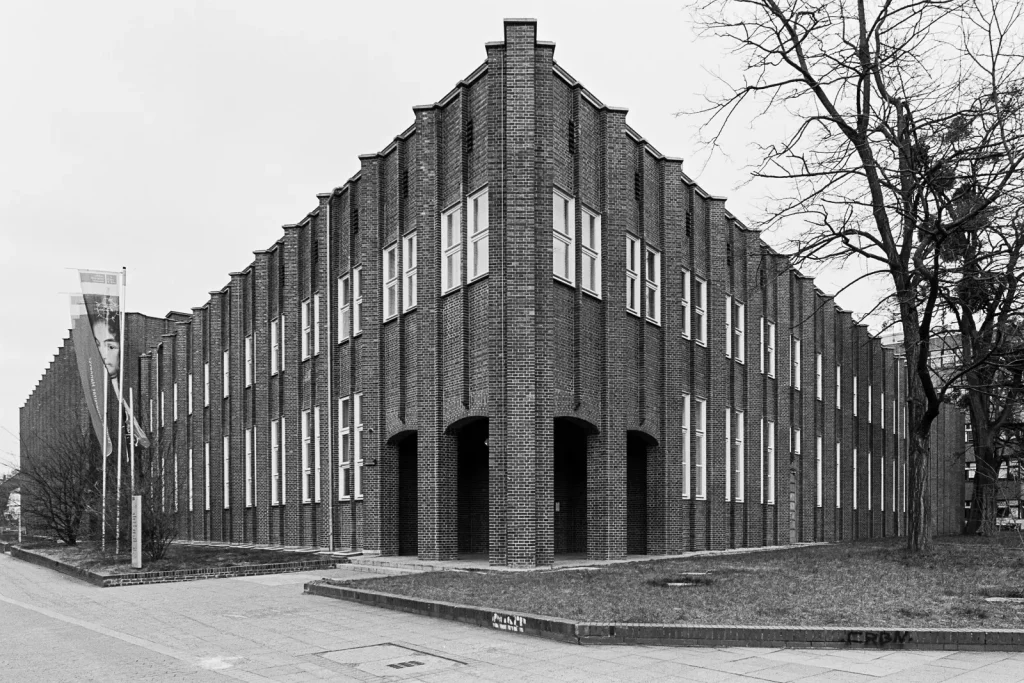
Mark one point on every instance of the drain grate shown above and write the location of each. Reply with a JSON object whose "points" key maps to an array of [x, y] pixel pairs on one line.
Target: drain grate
{"points": [[389, 660], [403, 665]]}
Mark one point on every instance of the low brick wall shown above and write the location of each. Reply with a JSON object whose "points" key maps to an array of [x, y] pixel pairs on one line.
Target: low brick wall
{"points": [[683, 635], [140, 578]]}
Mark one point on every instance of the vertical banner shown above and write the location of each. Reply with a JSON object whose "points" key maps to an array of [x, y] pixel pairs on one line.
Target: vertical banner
{"points": [[136, 532], [91, 368], [101, 292]]}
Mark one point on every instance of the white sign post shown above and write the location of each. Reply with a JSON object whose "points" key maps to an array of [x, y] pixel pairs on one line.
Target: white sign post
{"points": [[136, 532]]}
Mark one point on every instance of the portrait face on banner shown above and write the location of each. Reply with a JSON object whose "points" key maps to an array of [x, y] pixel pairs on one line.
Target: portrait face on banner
{"points": [[102, 297]]}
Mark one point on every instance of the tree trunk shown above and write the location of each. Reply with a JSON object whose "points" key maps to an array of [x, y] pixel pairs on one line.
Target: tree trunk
{"points": [[982, 516], [921, 412]]}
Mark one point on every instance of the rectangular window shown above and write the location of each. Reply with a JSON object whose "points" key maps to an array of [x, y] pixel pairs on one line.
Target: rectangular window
{"points": [[760, 354], [163, 394], [686, 445], [344, 450], [652, 285], [479, 242], [839, 388], [248, 361], [728, 326], [248, 468], [306, 345], [728, 454], [227, 475], [225, 370], [174, 401], [283, 338], [307, 469], [344, 308], [869, 480], [409, 280], [275, 462], [817, 472], [189, 388], [894, 420], [869, 404], [771, 463], [855, 395], [817, 376], [854, 478], [282, 455], [700, 308], [563, 237], [316, 324], [590, 254], [451, 250], [881, 411], [206, 471], [771, 349], [795, 370], [389, 268], [275, 346], [357, 445], [701, 454], [686, 304], [881, 483], [316, 454], [761, 440], [797, 438], [739, 320], [632, 275], [191, 487], [357, 302], [894, 485], [206, 384], [838, 476], [739, 458]]}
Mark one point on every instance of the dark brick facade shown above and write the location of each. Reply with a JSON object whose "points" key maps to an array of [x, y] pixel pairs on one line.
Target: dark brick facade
{"points": [[516, 414]]}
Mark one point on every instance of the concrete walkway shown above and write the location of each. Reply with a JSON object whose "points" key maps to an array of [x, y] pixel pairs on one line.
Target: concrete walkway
{"points": [[53, 628]]}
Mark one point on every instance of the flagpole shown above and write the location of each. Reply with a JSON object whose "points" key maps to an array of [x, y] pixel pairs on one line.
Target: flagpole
{"points": [[106, 438], [122, 346], [131, 438]]}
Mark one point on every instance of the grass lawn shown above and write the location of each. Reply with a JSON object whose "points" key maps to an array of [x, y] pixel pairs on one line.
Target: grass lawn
{"points": [[851, 584], [87, 555]]}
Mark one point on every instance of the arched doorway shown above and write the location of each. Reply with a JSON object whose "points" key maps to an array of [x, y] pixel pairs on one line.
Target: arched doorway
{"points": [[570, 484]]}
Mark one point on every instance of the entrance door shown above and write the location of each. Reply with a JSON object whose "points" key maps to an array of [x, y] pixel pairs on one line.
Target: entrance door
{"points": [[570, 469], [408, 496], [636, 495]]}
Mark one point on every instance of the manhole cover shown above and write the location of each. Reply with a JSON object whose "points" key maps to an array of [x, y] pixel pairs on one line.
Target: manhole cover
{"points": [[390, 660]]}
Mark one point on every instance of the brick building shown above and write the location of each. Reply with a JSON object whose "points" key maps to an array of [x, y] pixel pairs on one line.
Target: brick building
{"points": [[520, 330]]}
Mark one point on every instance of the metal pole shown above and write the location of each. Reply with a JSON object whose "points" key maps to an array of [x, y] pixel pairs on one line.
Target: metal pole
{"points": [[131, 438], [122, 346], [106, 438]]}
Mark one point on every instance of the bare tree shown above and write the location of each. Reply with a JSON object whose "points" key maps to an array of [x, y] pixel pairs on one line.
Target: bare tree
{"points": [[909, 130]]}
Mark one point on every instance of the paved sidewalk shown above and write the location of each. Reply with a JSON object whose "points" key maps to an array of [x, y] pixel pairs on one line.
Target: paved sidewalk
{"points": [[53, 628]]}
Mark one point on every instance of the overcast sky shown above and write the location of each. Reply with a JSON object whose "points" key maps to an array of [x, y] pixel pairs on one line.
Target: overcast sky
{"points": [[174, 138]]}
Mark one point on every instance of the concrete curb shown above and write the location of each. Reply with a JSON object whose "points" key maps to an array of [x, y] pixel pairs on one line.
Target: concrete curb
{"points": [[691, 635], [143, 578]]}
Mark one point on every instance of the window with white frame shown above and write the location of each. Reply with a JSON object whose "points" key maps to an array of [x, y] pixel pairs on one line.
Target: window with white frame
{"points": [[189, 389], [390, 281], [854, 478], [590, 254], [728, 326], [152, 414], [248, 468], [632, 275], [894, 420], [344, 308], [728, 454], [174, 401], [409, 280], [700, 311], [162, 406], [796, 366], [817, 376], [686, 304], [771, 462], [739, 458], [248, 361], [855, 395], [652, 285], [275, 346], [817, 472], [316, 454], [686, 445], [451, 249], [893, 485], [206, 477], [838, 476], [839, 388], [701, 452], [226, 373], [760, 354], [357, 301], [478, 229], [796, 438], [881, 483], [206, 384], [881, 411], [344, 449], [563, 237], [316, 324], [771, 349], [275, 462], [869, 403], [174, 501], [761, 447], [357, 445], [739, 321], [307, 466], [306, 322], [227, 474], [869, 480], [191, 488]]}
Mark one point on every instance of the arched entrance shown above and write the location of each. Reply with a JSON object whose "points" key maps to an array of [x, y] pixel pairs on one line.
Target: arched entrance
{"points": [[570, 474]]}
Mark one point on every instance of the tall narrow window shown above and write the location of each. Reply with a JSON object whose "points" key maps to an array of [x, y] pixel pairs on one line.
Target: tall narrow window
{"points": [[307, 467], [760, 355], [191, 482], [739, 459], [869, 403], [632, 275], [728, 326], [409, 281], [739, 321], [700, 308], [357, 300], [344, 308], [839, 388], [817, 472], [190, 393], [451, 250], [771, 462], [817, 376], [227, 475], [839, 469], [225, 372], [893, 508], [275, 346], [305, 320], [728, 454], [881, 483], [797, 445], [590, 253], [248, 361], [686, 304], [248, 468], [344, 450], [478, 229], [881, 410], [855, 395], [701, 454], [316, 454], [316, 324], [771, 349], [283, 338], [206, 475], [796, 370], [563, 235], [761, 441], [206, 384], [163, 402], [652, 285], [390, 280], [282, 455], [854, 478], [357, 419], [686, 445], [869, 480], [174, 399], [275, 462], [894, 421]]}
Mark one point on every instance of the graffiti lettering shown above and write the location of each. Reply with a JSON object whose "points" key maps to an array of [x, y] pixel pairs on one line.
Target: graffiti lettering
{"points": [[878, 638], [508, 622]]}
